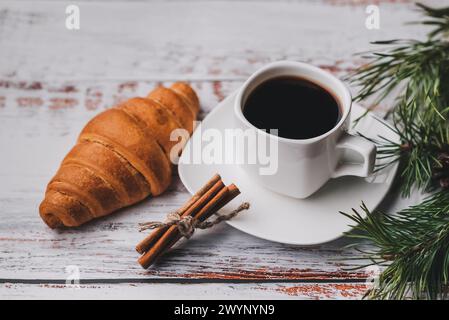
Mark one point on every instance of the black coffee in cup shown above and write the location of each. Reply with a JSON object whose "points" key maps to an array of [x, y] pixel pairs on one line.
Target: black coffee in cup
{"points": [[298, 108]]}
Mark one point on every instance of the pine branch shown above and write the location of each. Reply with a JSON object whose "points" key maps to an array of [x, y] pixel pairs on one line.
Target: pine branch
{"points": [[414, 244], [424, 136], [407, 63], [439, 19], [417, 74]]}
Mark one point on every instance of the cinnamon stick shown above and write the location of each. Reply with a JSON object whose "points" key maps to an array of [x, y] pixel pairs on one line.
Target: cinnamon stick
{"points": [[149, 241], [193, 209], [172, 236], [206, 213]]}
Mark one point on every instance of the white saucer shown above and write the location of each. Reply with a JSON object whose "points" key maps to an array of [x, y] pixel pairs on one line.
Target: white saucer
{"points": [[283, 219]]}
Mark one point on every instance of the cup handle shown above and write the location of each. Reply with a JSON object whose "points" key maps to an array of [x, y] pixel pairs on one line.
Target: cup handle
{"points": [[361, 146]]}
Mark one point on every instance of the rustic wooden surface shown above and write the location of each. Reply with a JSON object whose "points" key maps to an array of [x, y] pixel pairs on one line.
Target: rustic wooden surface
{"points": [[53, 80]]}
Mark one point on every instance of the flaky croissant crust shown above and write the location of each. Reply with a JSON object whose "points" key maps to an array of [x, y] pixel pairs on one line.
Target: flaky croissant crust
{"points": [[120, 158]]}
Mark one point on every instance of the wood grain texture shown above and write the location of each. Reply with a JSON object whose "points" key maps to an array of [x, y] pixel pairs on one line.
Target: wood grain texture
{"points": [[53, 80], [175, 40], [138, 291]]}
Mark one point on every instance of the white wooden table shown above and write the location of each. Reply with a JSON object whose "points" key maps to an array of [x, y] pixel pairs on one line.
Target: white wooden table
{"points": [[53, 80]]}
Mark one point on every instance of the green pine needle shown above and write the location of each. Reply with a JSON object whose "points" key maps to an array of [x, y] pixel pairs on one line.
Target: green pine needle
{"points": [[414, 244]]}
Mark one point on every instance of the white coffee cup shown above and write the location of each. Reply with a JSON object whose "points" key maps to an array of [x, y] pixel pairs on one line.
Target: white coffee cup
{"points": [[305, 165]]}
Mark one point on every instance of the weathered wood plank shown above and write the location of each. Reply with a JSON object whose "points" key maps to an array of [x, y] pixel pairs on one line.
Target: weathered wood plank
{"points": [[183, 291], [157, 41]]}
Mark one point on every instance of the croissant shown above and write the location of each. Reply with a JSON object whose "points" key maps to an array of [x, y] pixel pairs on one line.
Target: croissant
{"points": [[120, 157]]}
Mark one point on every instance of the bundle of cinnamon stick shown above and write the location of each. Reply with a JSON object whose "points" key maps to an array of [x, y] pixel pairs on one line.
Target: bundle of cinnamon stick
{"points": [[209, 199]]}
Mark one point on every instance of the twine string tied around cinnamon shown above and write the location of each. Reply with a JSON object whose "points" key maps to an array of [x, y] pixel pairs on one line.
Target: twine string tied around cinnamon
{"points": [[187, 225]]}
